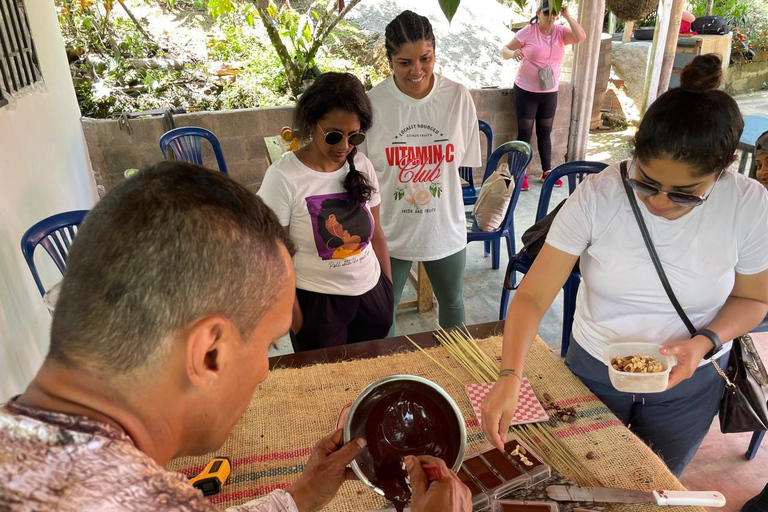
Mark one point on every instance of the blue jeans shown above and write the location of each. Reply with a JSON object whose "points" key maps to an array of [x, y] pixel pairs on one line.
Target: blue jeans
{"points": [[672, 423]]}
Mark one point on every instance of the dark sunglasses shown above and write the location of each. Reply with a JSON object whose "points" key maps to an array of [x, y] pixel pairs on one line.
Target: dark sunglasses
{"points": [[333, 138], [687, 200]]}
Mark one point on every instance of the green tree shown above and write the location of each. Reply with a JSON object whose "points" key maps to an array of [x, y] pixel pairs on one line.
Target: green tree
{"points": [[296, 36]]}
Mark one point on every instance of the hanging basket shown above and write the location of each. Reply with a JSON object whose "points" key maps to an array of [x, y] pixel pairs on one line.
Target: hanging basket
{"points": [[632, 10]]}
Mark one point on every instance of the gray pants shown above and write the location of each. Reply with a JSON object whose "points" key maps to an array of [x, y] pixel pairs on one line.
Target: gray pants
{"points": [[672, 423]]}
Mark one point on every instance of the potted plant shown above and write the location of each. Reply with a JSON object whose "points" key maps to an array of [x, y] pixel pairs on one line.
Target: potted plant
{"points": [[645, 27]]}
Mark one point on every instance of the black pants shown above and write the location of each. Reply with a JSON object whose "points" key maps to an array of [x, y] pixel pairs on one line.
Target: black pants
{"points": [[331, 320], [539, 108]]}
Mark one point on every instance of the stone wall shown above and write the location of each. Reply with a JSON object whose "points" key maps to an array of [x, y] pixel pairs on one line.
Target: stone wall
{"points": [[746, 77], [114, 149]]}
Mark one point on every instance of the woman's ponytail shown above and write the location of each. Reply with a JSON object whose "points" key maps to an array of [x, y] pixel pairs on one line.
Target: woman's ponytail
{"points": [[355, 183]]}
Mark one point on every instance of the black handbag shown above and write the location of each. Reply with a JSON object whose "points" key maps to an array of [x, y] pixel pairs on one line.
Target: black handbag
{"points": [[533, 240], [743, 407], [710, 25]]}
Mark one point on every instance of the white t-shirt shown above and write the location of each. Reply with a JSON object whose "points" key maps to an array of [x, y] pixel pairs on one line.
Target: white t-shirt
{"points": [[621, 298], [416, 147], [334, 254]]}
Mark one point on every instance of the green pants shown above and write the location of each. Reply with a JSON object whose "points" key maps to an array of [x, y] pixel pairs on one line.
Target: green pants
{"points": [[447, 277]]}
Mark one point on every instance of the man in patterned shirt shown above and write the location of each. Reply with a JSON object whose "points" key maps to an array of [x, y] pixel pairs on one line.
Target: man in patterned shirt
{"points": [[177, 284]]}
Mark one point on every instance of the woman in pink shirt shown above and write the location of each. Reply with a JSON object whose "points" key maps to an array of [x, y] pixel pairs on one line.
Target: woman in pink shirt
{"points": [[539, 45]]}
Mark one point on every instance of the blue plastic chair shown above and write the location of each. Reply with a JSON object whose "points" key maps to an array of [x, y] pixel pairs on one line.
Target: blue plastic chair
{"points": [[185, 144], [470, 192], [518, 155], [55, 234], [575, 172]]}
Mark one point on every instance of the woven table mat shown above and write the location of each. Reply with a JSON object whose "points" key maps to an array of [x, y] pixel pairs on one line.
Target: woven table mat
{"points": [[294, 408]]}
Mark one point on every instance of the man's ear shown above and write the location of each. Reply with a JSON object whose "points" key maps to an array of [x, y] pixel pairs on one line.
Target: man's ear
{"points": [[206, 343]]}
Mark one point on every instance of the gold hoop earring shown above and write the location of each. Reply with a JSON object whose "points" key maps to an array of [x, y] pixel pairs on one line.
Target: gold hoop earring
{"points": [[327, 244]]}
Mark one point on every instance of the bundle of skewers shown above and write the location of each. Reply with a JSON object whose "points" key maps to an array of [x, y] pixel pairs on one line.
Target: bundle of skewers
{"points": [[481, 367]]}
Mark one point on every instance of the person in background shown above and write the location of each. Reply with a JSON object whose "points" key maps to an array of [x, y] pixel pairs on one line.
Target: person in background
{"points": [[327, 196], [161, 311], [426, 127], [761, 159], [540, 45], [710, 229]]}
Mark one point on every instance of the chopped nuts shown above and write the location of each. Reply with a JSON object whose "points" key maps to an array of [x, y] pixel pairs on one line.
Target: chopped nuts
{"points": [[590, 455], [547, 397], [636, 364]]}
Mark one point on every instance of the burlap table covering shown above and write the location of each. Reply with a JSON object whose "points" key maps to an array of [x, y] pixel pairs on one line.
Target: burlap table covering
{"points": [[294, 408]]}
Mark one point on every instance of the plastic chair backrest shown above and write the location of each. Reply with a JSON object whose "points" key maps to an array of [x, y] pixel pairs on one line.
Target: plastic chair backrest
{"points": [[185, 144], [575, 172], [466, 172], [55, 234], [518, 155]]}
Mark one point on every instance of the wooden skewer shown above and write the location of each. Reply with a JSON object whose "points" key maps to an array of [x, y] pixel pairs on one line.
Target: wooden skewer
{"points": [[435, 361]]}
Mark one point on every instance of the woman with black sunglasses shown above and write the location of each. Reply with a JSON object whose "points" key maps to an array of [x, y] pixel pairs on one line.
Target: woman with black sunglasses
{"points": [[327, 196], [709, 227]]}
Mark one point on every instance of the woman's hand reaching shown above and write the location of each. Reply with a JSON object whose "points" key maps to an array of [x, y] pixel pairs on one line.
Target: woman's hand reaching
{"points": [[498, 408]]}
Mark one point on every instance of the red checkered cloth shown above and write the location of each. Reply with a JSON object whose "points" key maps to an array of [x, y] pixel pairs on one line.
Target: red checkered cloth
{"points": [[529, 409]]}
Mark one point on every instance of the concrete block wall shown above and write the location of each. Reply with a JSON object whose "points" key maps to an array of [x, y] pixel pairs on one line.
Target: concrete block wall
{"points": [[746, 77], [497, 108], [241, 133]]}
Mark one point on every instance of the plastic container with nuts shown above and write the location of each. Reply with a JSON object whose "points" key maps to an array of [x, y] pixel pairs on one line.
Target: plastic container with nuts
{"points": [[645, 376]]}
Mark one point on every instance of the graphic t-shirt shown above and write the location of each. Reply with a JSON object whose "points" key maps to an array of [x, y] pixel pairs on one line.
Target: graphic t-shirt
{"points": [[417, 147], [536, 56], [620, 298], [332, 234]]}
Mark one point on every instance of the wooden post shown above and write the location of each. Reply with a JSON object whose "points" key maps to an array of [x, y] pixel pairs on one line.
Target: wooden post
{"points": [[670, 49], [653, 70], [585, 62], [628, 26]]}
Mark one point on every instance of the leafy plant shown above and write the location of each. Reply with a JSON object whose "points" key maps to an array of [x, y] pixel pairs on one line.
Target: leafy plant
{"points": [[297, 37]]}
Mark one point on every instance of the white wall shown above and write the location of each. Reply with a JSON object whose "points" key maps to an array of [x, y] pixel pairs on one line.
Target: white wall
{"points": [[44, 169]]}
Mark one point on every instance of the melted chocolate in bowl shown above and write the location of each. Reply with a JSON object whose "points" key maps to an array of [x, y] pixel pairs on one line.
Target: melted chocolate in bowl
{"points": [[404, 419]]}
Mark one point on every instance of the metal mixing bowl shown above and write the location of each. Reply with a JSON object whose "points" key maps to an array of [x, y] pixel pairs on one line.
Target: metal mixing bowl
{"points": [[431, 404]]}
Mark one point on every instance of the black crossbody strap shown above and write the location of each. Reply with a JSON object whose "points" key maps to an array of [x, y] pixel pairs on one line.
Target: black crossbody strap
{"points": [[652, 251]]}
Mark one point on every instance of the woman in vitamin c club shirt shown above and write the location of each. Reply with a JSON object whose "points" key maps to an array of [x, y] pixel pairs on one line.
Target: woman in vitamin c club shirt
{"points": [[538, 45], [425, 128]]}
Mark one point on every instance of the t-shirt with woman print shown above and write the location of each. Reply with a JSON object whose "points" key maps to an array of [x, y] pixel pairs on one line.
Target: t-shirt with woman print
{"points": [[536, 55], [332, 234]]}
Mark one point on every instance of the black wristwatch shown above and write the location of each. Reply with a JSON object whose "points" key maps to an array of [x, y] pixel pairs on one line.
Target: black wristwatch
{"points": [[713, 337]]}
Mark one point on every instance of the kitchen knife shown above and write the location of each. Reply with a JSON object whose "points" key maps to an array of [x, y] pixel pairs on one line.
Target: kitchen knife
{"points": [[660, 497]]}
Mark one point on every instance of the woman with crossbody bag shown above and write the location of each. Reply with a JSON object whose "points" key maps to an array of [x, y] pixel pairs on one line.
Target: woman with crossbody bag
{"points": [[709, 228], [541, 47]]}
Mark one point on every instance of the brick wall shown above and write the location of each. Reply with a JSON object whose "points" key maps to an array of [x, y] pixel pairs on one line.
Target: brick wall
{"points": [[241, 133]]}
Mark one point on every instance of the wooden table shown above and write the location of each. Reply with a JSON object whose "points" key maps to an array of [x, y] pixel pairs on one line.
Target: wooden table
{"points": [[375, 348], [300, 402], [424, 300], [754, 126]]}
